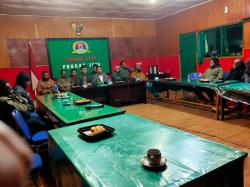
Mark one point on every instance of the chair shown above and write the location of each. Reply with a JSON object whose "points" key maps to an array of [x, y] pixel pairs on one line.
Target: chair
{"points": [[36, 162], [37, 138], [226, 75]]}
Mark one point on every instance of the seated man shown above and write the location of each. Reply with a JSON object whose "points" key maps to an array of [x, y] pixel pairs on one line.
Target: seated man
{"points": [[85, 79], [99, 78], [9, 102], [94, 72], [45, 85], [73, 79], [22, 82], [125, 69], [213, 73], [63, 82], [119, 75], [138, 75], [237, 71]]}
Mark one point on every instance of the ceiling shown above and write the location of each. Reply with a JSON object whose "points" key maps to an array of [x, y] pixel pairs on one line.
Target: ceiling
{"points": [[131, 9]]}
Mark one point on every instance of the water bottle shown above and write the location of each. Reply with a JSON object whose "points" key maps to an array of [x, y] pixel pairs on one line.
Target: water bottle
{"points": [[247, 81], [56, 89], [189, 77]]}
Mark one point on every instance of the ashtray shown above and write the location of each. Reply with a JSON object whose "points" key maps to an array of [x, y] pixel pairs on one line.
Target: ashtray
{"points": [[154, 167], [95, 132]]}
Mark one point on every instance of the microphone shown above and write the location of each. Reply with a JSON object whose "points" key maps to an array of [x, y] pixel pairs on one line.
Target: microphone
{"points": [[94, 106]]}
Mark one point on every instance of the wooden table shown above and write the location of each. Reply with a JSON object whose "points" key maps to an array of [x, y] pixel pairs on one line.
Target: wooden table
{"points": [[116, 94]]}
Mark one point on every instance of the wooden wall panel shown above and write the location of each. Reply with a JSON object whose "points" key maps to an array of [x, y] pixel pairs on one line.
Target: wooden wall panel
{"points": [[31, 27], [133, 48], [208, 15], [247, 35], [19, 52], [120, 48]]}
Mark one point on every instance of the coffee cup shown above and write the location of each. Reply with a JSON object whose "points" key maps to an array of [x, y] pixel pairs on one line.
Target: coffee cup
{"points": [[154, 156]]}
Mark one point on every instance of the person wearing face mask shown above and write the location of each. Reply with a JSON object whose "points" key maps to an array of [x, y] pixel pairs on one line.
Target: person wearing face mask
{"points": [[64, 82], [45, 85], [138, 75], [213, 73]]}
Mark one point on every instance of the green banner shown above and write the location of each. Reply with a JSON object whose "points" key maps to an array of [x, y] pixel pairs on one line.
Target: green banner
{"points": [[72, 53]]}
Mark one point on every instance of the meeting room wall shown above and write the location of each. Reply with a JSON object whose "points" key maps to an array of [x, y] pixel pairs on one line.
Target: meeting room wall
{"points": [[131, 40], [208, 15]]}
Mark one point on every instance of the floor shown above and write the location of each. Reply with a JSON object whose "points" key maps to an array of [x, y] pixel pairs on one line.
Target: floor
{"points": [[233, 131]]}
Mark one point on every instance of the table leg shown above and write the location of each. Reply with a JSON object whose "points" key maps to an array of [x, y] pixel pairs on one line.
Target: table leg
{"points": [[222, 108], [167, 92], [217, 106]]}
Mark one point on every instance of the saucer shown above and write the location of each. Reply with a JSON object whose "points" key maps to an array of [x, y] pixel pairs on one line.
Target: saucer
{"points": [[145, 163]]}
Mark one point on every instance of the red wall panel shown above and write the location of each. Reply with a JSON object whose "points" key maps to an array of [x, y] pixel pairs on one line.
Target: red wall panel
{"points": [[170, 64], [10, 74]]}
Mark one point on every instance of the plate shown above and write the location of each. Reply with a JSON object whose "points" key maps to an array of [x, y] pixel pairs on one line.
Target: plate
{"points": [[204, 80], [61, 96], [161, 166], [170, 79], [85, 133], [82, 101]]}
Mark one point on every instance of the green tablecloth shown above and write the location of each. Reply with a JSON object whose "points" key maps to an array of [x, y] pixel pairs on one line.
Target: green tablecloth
{"points": [[116, 161], [240, 86], [186, 85], [74, 113]]}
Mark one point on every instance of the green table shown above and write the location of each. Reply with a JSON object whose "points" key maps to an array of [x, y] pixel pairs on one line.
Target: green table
{"points": [[239, 86], [72, 114], [192, 161], [184, 84], [164, 85], [237, 92]]}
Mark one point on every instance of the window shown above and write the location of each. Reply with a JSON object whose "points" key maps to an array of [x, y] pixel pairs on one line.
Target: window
{"points": [[212, 43], [222, 41], [233, 42]]}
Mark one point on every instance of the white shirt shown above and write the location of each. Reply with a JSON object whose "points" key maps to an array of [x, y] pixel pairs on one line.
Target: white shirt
{"points": [[101, 78]]}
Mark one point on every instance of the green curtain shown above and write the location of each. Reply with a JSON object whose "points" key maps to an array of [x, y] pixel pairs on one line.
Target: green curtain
{"points": [[201, 47]]}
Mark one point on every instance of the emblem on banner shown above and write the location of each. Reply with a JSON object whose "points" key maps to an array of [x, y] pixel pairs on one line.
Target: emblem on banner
{"points": [[80, 47]]}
